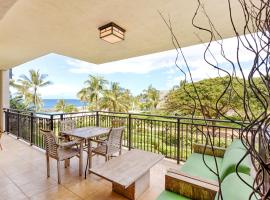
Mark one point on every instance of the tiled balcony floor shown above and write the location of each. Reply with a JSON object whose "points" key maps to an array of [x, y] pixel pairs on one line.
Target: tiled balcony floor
{"points": [[23, 176]]}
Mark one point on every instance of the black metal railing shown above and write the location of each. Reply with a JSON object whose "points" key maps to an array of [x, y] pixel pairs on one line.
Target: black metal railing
{"points": [[172, 136]]}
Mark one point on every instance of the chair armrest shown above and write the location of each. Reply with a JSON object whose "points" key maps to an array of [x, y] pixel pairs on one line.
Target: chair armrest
{"points": [[208, 150], [71, 143], [190, 186], [99, 141]]}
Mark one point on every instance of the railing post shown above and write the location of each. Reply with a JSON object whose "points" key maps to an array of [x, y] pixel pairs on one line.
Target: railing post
{"points": [[178, 141], [51, 122], [31, 128], [129, 132], [18, 125], [7, 121], [97, 118], [61, 116]]}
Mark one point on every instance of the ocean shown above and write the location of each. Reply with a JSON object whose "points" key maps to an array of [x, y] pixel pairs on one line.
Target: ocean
{"points": [[50, 103]]}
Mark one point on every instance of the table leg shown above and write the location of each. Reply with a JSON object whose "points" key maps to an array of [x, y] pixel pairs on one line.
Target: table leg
{"points": [[90, 153], [136, 189], [81, 159]]}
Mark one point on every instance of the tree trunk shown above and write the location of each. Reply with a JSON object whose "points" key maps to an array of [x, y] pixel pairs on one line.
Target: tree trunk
{"points": [[96, 102]]}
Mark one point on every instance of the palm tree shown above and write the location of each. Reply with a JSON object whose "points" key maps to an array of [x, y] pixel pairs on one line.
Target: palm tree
{"points": [[116, 99], [83, 96], [65, 108], [28, 87], [151, 96], [95, 86], [60, 105], [22, 90], [17, 103], [70, 108]]}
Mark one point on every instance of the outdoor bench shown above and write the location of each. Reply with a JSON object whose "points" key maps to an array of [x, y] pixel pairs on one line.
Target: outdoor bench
{"points": [[195, 180]]}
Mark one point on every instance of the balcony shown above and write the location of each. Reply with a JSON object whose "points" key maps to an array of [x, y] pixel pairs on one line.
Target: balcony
{"points": [[23, 164], [23, 176]]}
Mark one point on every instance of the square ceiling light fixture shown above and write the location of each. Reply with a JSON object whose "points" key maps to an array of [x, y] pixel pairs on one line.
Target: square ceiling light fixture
{"points": [[112, 33]]}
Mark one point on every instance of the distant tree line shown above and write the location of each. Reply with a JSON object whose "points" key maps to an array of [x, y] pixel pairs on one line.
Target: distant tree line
{"points": [[183, 99], [99, 94]]}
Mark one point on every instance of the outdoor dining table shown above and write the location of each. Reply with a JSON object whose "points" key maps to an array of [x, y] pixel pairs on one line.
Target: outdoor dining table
{"points": [[86, 134]]}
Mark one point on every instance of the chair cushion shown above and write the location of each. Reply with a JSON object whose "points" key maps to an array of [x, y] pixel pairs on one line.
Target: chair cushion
{"points": [[230, 161], [195, 166], [167, 195], [236, 144], [233, 188]]}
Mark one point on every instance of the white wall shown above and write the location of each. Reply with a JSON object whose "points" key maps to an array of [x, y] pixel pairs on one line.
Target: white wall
{"points": [[4, 95]]}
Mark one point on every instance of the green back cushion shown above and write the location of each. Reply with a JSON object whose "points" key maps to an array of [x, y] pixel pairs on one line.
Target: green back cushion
{"points": [[167, 195], [231, 159], [195, 166], [233, 188], [236, 144]]}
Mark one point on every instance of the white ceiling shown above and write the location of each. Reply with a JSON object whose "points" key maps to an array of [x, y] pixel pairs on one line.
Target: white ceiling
{"points": [[32, 28]]}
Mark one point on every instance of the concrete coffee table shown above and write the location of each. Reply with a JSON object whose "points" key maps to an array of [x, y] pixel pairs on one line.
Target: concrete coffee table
{"points": [[129, 173]]}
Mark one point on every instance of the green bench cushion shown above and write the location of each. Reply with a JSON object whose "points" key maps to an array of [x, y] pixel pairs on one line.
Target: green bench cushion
{"points": [[236, 144], [233, 188], [167, 195], [230, 161], [195, 166]]}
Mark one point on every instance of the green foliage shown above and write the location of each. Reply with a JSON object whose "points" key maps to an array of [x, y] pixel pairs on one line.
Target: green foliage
{"points": [[17, 103], [97, 95], [148, 100], [151, 98], [61, 106], [70, 108], [116, 99], [28, 87], [184, 100], [94, 87]]}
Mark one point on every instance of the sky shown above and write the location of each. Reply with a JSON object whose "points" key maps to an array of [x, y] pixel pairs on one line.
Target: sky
{"points": [[159, 70]]}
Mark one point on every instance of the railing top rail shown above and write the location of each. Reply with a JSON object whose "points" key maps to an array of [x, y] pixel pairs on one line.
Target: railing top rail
{"points": [[122, 113]]}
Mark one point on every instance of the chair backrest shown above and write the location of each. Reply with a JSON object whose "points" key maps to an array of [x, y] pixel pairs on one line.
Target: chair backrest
{"points": [[67, 124], [50, 143], [115, 139], [118, 123]]}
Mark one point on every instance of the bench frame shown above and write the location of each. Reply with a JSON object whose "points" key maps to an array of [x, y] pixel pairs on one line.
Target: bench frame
{"points": [[190, 186]]}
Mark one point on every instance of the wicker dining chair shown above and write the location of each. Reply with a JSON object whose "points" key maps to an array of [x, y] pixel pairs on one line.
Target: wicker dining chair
{"points": [[116, 123], [59, 151], [66, 125], [112, 145]]}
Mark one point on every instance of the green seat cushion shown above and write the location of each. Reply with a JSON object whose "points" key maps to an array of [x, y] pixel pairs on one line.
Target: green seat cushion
{"points": [[231, 159], [167, 195], [236, 144], [195, 166], [233, 188]]}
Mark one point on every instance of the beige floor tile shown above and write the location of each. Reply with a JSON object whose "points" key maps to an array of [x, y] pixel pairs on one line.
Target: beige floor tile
{"points": [[87, 188], [56, 193], [23, 176], [28, 177], [38, 186], [11, 191]]}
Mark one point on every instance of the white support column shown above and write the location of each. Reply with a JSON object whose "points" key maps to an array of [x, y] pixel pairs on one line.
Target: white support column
{"points": [[4, 96]]}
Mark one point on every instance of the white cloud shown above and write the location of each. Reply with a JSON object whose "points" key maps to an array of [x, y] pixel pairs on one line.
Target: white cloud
{"points": [[139, 65], [166, 60], [58, 90]]}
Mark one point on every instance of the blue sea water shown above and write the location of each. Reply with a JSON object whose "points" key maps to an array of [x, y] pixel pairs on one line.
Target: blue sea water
{"points": [[50, 103]]}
